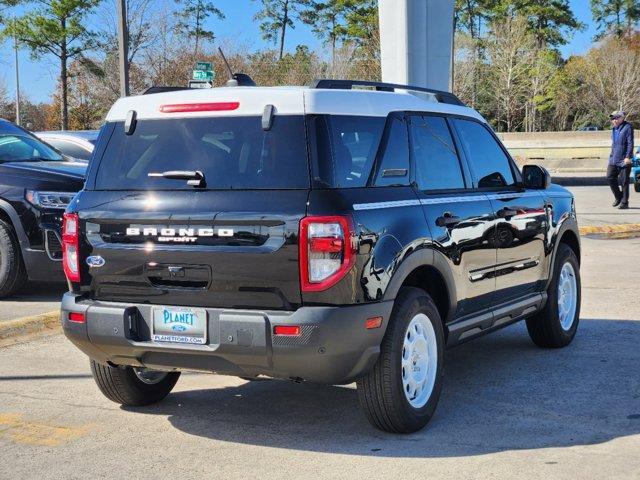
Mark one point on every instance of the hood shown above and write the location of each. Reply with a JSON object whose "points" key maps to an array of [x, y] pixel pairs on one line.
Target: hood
{"points": [[71, 170]]}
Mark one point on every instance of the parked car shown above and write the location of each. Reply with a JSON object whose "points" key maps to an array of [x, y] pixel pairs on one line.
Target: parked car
{"points": [[36, 185], [327, 234], [78, 144], [589, 128]]}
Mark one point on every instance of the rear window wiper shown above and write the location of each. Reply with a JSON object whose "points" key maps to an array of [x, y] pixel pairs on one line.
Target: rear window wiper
{"points": [[195, 178]]}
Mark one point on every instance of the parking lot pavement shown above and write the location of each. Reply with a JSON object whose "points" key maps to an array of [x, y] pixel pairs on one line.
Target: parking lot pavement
{"points": [[593, 205], [508, 410], [32, 299]]}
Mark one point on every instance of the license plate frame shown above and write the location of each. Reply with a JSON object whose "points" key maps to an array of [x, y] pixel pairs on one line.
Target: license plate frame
{"points": [[179, 325]]}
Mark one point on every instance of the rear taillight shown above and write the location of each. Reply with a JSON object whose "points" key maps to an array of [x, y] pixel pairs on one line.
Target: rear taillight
{"points": [[327, 251], [70, 243]]}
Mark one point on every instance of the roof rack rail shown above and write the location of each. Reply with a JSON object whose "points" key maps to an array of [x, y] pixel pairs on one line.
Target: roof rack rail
{"points": [[154, 89], [440, 96]]}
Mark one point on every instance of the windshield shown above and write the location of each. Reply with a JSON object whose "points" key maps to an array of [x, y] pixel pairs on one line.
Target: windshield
{"points": [[231, 152], [23, 148]]}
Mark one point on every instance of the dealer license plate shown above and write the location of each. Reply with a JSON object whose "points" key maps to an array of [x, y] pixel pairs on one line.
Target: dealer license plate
{"points": [[180, 325]]}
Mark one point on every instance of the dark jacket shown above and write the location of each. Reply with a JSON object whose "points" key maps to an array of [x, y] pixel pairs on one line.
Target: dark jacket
{"points": [[622, 144]]}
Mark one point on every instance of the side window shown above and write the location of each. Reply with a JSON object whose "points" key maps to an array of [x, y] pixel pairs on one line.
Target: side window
{"points": [[436, 159], [70, 148], [487, 160], [394, 165]]}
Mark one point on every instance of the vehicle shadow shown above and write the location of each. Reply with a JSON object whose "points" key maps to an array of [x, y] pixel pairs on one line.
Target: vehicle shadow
{"points": [[39, 292], [501, 393]]}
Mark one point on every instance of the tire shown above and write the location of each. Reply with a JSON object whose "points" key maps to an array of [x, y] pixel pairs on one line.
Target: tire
{"points": [[636, 185], [122, 385], [547, 329], [382, 391], [12, 271]]}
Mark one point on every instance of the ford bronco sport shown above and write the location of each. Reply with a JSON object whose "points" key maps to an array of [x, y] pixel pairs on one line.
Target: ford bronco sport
{"points": [[327, 234]]}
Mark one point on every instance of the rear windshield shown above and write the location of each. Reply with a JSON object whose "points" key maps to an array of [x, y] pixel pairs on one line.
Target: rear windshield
{"points": [[231, 152], [344, 148]]}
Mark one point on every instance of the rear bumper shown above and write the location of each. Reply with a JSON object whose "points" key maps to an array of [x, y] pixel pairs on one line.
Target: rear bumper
{"points": [[334, 346]]}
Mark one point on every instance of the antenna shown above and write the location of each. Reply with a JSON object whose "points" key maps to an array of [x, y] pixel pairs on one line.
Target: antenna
{"points": [[232, 82]]}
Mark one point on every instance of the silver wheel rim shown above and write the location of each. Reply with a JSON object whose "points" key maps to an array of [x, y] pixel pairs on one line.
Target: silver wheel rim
{"points": [[419, 361], [150, 377], [567, 296]]}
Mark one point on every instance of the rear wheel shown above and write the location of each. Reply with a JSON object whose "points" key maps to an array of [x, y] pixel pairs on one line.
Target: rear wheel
{"points": [[401, 392], [12, 271], [636, 185], [557, 324], [134, 387]]}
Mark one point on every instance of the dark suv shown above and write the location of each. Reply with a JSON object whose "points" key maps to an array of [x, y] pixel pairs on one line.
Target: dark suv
{"points": [[326, 234], [36, 185]]}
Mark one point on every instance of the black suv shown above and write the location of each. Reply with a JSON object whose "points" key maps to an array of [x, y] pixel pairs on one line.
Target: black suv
{"points": [[36, 185], [327, 234]]}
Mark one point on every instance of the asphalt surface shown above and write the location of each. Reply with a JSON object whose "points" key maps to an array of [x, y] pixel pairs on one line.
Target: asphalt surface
{"points": [[593, 205], [508, 410]]}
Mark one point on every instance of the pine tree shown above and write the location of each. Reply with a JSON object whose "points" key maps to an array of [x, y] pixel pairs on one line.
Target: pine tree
{"points": [[276, 16], [550, 21], [192, 20], [615, 16], [58, 28], [325, 18]]}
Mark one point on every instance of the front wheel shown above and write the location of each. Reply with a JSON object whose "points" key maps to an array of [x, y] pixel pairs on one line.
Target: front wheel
{"points": [[12, 270], [401, 392], [636, 185], [133, 387], [557, 323]]}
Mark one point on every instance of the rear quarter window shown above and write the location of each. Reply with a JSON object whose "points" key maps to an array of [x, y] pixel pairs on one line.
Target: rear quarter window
{"points": [[232, 152], [343, 148]]}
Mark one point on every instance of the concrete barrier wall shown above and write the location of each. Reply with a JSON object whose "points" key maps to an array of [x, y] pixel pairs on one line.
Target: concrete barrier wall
{"points": [[587, 151]]}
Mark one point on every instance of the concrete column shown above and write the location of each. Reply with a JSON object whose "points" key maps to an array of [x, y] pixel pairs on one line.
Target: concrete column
{"points": [[416, 39]]}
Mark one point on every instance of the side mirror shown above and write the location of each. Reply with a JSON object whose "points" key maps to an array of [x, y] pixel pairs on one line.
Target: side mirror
{"points": [[536, 177]]}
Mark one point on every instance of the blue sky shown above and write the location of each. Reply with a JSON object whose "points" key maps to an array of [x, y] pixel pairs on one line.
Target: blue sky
{"points": [[38, 77]]}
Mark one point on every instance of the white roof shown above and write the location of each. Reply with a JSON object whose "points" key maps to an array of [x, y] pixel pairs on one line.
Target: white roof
{"points": [[286, 100]]}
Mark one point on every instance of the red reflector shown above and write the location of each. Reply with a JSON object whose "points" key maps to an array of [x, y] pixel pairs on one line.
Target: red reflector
{"points": [[326, 245], [373, 322], [76, 317], [290, 330], [199, 107]]}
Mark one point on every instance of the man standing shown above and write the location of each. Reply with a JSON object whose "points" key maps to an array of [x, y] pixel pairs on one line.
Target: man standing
{"points": [[619, 167]]}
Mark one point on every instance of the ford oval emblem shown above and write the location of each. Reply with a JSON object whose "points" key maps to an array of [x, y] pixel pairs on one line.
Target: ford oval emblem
{"points": [[95, 261]]}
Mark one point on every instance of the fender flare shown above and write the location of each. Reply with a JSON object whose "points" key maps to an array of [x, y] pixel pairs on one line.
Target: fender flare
{"points": [[569, 224], [426, 257], [17, 224]]}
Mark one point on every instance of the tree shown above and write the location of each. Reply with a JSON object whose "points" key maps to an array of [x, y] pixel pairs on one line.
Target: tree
{"points": [[58, 28], [276, 16], [325, 17], [550, 21], [141, 18], [615, 16], [469, 18], [192, 18], [511, 53], [471, 14]]}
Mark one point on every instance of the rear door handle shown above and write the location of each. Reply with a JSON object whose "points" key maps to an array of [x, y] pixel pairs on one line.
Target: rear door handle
{"points": [[447, 220]]}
